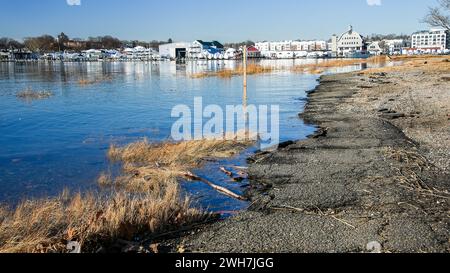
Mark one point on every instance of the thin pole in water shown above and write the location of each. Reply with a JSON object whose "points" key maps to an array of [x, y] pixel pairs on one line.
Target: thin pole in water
{"points": [[244, 103], [245, 67]]}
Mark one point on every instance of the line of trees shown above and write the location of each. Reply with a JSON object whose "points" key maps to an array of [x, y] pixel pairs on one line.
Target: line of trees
{"points": [[437, 16], [380, 37], [239, 45], [7, 43], [48, 43]]}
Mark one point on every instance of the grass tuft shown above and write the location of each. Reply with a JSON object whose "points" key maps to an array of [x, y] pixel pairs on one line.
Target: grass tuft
{"points": [[144, 163], [48, 225], [30, 94], [252, 69]]}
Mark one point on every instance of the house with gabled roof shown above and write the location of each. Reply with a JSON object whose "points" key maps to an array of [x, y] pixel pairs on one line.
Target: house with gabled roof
{"points": [[349, 41], [211, 47]]}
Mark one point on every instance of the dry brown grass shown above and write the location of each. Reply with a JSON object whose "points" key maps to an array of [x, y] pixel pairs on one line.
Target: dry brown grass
{"points": [[430, 63], [30, 94], [252, 69], [85, 82], [47, 225], [318, 68], [415, 57], [145, 201], [144, 163]]}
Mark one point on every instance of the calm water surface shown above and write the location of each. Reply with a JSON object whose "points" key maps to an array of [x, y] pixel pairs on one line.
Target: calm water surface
{"points": [[60, 142]]}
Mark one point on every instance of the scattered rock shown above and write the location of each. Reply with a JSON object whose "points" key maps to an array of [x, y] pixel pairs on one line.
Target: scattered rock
{"points": [[392, 116]]}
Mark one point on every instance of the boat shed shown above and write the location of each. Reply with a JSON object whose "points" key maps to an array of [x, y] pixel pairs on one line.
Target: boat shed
{"points": [[174, 50]]}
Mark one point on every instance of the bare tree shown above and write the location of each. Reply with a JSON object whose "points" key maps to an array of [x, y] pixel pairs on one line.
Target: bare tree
{"points": [[439, 16]]}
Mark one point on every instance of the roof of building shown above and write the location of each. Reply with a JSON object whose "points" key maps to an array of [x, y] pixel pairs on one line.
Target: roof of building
{"points": [[211, 44], [252, 49], [350, 31], [428, 31]]}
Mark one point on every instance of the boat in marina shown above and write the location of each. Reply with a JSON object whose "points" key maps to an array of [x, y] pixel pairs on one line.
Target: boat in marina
{"points": [[357, 54]]}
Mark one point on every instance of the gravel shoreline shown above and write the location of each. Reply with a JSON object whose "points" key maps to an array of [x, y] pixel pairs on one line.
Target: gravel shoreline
{"points": [[376, 171]]}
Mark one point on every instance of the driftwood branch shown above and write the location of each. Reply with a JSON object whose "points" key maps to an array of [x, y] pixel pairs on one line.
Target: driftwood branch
{"points": [[218, 188], [227, 172]]}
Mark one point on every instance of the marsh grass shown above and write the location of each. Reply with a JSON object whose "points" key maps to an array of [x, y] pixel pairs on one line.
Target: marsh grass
{"points": [[85, 82], [427, 63], [318, 68], [47, 225], [30, 94], [144, 163], [252, 69], [145, 201]]}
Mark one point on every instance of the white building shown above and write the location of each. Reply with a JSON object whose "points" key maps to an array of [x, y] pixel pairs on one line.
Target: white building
{"points": [[174, 50], [396, 46], [292, 46], [195, 50], [375, 48], [263, 46], [349, 41], [433, 40], [140, 53]]}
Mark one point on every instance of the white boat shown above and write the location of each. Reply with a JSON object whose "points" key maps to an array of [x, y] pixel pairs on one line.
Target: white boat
{"points": [[312, 55], [301, 54], [357, 54], [285, 55]]}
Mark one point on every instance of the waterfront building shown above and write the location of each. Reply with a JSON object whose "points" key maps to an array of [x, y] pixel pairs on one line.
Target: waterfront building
{"points": [[433, 40], [4, 55], [290, 49], [176, 50], [138, 53], [396, 46], [196, 50], [375, 48], [349, 43], [253, 52], [212, 47], [93, 54]]}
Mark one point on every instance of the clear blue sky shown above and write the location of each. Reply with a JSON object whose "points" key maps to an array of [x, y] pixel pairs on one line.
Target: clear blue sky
{"points": [[227, 21]]}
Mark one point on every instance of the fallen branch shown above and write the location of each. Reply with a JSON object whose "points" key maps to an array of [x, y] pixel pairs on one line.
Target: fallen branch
{"points": [[218, 188], [343, 222], [227, 172], [240, 168]]}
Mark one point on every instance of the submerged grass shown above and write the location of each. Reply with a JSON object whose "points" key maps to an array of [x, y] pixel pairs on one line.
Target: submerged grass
{"points": [[30, 94], [48, 225], [84, 82], [144, 162], [144, 202], [252, 69]]}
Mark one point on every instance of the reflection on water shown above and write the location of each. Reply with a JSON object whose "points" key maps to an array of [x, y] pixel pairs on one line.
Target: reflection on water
{"points": [[49, 145]]}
